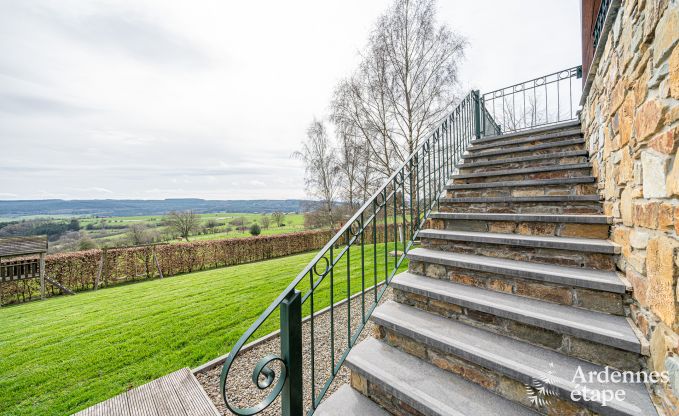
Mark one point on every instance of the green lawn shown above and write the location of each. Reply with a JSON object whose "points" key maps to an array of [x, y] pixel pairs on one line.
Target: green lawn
{"points": [[67, 353]]}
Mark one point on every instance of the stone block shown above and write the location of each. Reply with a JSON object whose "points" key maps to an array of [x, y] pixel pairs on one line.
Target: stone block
{"points": [[545, 292], [359, 383], [660, 270], [536, 228], [501, 227], [665, 216], [638, 238], [639, 284], [626, 207], [672, 185], [585, 230], [604, 355], [626, 122], [665, 142], [599, 301], [435, 270], [649, 118], [666, 33], [646, 214], [655, 169], [535, 335], [664, 342], [674, 73], [637, 259]]}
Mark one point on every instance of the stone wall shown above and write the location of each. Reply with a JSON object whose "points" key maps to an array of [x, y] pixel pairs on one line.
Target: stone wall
{"points": [[631, 121]]}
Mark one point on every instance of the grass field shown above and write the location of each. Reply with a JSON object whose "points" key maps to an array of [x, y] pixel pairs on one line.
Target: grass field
{"points": [[112, 231], [64, 354]]}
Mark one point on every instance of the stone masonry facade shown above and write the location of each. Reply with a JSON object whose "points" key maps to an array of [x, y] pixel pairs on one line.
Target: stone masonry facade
{"points": [[630, 119]]}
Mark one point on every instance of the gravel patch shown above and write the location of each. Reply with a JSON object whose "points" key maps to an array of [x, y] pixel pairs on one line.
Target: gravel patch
{"points": [[242, 392]]}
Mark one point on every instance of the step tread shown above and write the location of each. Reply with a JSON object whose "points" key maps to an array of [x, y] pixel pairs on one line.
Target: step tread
{"points": [[563, 243], [348, 402], [568, 276], [425, 387], [515, 184], [560, 218], [572, 153], [521, 171], [522, 149], [554, 127], [599, 327], [480, 144], [545, 198], [516, 359]]}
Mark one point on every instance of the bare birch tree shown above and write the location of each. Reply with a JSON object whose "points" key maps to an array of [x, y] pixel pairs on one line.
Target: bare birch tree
{"points": [[422, 58], [321, 168]]}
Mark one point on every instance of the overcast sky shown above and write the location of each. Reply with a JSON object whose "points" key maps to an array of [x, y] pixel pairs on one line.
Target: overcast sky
{"points": [[165, 99]]}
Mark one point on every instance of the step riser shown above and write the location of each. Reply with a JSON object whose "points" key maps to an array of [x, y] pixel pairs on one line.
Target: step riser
{"points": [[596, 353], [526, 141], [377, 393], [499, 384], [524, 152], [556, 174], [594, 300], [556, 229], [569, 258], [566, 207], [573, 189], [556, 161]]}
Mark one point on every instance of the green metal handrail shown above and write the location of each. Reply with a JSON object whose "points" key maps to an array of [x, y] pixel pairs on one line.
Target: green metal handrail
{"points": [[403, 203], [546, 100]]}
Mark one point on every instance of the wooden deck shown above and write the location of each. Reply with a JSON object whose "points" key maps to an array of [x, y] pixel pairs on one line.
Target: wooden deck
{"points": [[176, 394]]}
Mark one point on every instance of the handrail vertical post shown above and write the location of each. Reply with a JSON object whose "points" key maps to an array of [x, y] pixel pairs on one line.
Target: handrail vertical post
{"points": [[477, 114], [292, 403]]}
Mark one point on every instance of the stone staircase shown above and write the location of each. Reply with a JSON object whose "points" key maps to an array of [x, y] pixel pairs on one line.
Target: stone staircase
{"points": [[511, 300]]}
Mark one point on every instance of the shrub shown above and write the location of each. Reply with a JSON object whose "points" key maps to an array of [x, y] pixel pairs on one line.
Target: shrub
{"points": [[255, 230]]}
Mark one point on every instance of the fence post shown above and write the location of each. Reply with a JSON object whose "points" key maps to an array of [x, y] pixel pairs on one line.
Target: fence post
{"points": [[291, 352], [477, 113]]}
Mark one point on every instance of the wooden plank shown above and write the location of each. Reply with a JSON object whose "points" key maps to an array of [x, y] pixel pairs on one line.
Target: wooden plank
{"points": [[166, 400], [196, 402], [176, 394], [141, 401], [22, 246]]}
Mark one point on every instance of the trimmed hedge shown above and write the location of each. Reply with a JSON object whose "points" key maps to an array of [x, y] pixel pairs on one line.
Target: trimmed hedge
{"points": [[78, 271]]}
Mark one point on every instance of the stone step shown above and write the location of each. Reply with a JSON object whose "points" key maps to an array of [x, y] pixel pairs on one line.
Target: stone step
{"points": [[532, 139], [567, 251], [552, 129], [526, 183], [559, 243], [524, 171], [565, 276], [593, 290], [581, 185], [507, 366], [575, 327], [577, 219], [348, 402], [560, 146], [396, 379], [546, 159], [580, 226], [544, 204]]}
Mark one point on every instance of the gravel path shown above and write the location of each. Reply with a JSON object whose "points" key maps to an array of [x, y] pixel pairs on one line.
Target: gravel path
{"points": [[243, 392]]}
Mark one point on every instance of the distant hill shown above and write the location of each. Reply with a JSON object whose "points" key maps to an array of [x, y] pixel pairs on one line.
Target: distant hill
{"points": [[134, 207]]}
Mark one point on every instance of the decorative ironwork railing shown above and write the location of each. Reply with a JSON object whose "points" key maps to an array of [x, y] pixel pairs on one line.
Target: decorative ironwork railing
{"points": [[600, 21], [349, 276], [546, 100]]}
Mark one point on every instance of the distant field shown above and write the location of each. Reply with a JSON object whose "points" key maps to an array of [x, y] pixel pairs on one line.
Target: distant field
{"points": [[112, 231], [67, 353]]}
